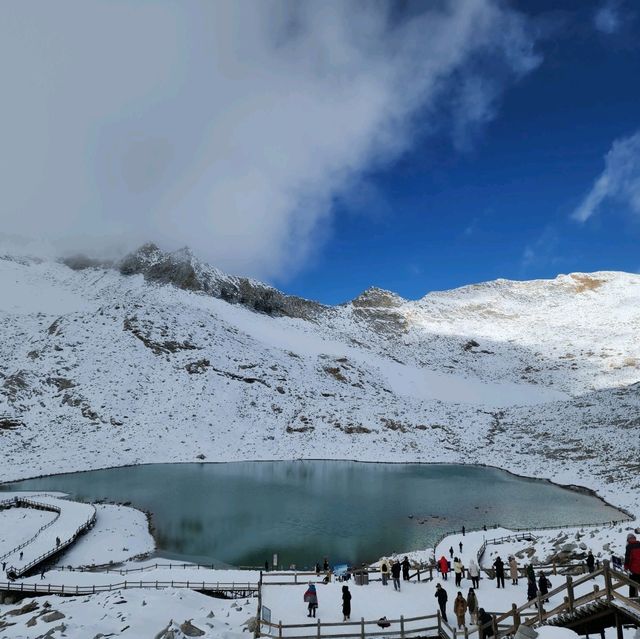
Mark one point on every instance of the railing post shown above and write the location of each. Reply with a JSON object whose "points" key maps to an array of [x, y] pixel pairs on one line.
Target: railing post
{"points": [[516, 616], [401, 626], [540, 608], [607, 579], [570, 594], [554, 567], [494, 624], [319, 630], [361, 627], [280, 629]]}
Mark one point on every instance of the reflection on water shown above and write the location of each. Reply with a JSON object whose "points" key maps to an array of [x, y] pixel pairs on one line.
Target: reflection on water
{"points": [[241, 513]]}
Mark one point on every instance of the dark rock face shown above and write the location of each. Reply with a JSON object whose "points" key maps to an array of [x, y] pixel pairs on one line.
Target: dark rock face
{"points": [[183, 270], [80, 262]]}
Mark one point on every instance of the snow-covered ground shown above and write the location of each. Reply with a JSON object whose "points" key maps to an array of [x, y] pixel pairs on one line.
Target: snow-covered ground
{"points": [[69, 516], [18, 524], [120, 533], [130, 614], [541, 378], [99, 369]]}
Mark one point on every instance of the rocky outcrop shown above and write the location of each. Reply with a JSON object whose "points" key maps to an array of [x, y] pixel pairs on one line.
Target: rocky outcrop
{"points": [[183, 270], [380, 310]]}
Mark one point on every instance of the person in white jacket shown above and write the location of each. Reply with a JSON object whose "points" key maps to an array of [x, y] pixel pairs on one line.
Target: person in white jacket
{"points": [[474, 573]]}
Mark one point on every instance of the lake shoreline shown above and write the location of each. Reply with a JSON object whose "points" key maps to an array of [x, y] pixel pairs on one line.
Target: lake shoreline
{"points": [[507, 520]]}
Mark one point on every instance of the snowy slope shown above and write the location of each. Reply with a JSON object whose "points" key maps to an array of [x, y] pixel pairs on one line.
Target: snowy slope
{"points": [[163, 358]]}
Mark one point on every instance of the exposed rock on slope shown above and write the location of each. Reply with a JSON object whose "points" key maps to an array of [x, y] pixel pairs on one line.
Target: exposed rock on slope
{"points": [[98, 368], [182, 269]]}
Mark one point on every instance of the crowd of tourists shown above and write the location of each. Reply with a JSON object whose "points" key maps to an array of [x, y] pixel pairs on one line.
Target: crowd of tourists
{"points": [[538, 585]]}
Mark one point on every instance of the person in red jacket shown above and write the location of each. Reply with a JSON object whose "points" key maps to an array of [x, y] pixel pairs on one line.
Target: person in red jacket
{"points": [[443, 564], [632, 562]]}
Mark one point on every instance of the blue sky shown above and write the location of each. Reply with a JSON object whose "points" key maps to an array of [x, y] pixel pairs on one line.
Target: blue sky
{"points": [[439, 217], [327, 147]]}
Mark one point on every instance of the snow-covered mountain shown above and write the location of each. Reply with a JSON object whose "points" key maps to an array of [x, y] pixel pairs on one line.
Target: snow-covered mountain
{"points": [[163, 358]]}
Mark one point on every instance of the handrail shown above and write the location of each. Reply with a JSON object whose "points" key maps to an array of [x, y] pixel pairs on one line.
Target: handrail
{"points": [[48, 507], [402, 631], [609, 593], [19, 572], [93, 588]]}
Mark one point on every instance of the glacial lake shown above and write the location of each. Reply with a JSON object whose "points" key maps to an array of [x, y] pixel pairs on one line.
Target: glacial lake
{"points": [[241, 513]]}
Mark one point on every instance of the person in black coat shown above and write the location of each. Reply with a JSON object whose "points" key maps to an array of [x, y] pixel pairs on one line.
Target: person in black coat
{"points": [[543, 585], [498, 564], [395, 575], [441, 596], [405, 569], [346, 603], [484, 618], [591, 562], [532, 589]]}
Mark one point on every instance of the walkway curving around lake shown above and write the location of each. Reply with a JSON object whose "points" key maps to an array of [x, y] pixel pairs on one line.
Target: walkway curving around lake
{"points": [[71, 520]]}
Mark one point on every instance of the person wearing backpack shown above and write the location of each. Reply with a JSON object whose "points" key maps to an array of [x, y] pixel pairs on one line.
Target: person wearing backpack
{"points": [[384, 571], [311, 599]]}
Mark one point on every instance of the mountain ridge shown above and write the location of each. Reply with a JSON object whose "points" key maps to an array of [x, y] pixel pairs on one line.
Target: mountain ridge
{"points": [[101, 368]]}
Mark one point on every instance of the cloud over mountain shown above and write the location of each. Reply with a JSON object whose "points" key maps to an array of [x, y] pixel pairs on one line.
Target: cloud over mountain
{"points": [[231, 126]]}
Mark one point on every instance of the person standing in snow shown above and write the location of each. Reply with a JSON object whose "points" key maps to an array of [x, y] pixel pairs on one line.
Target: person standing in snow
{"points": [[498, 564], [395, 574], [530, 572], [472, 605], [405, 569], [474, 573], [441, 596], [460, 609], [464, 530], [384, 571], [460, 546], [632, 562], [513, 569], [532, 589], [591, 562], [21, 555], [311, 599], [543, 585], [346, 603], [484, 619], [451, 551], [443, 564], [458, 569]]}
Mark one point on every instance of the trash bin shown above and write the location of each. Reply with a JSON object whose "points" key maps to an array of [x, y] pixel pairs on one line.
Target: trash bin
{"points": [[357, 577], [365, 579]]}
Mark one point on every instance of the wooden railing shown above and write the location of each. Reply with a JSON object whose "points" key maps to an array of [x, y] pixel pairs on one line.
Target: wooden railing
{"points": [[23, 570], [54, 589], [532, 613], [428, 625], [33, 504]]}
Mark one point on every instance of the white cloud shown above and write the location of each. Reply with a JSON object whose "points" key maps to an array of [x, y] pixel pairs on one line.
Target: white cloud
{"points": [[620, 180], [230, 126], [607, 18]]}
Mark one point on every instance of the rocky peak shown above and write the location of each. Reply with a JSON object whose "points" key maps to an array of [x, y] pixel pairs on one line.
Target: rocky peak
{"points": [[184, 270], [375, 297], [380, 310]]}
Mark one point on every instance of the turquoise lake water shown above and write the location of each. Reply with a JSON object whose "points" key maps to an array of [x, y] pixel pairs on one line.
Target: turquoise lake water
{"points": [[241, 513]]}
